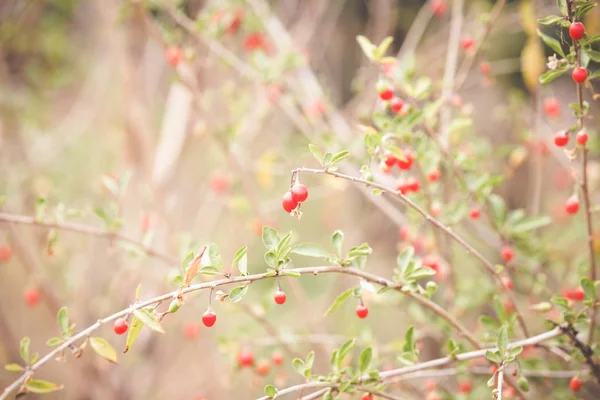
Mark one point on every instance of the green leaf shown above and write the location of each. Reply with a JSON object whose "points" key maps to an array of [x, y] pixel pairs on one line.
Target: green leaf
{"points": [[283, 245], [593, 54], [405, 258], [561, 303], [13, 368], [515, 351], [339, 157], [270, 391], [186, 261], [502, 341], [178, 280], [500, 310], [310, 250], [315, 152], [207, 270], [298, 365], [589, 288], [337, 240], [344, 350], [239, 254], [63, 320], [361, 250], [148, 319], [137, 291], [550, 20], [523, 383], [270, 238], [594, 75], [551, 75], [132, 333], [531, 224], [563, 7], [40, 387], [241, 260], [55, 341], [367, 47], [498, 209], [364, 360], [104, 349], [310, 360], [24, 349], [215, 257], [339, 301], [583, 9], [384, 45], [420, 273], [493, 356], [237, 293]]}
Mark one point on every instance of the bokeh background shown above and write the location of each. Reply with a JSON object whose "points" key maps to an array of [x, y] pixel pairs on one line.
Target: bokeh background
{"points": [[93, 117]]}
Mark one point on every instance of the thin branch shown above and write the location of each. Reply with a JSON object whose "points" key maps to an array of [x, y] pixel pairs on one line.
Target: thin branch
{"points": [[228, 281], [585, 350], [88, 230], [500, 382], [436, 223]]}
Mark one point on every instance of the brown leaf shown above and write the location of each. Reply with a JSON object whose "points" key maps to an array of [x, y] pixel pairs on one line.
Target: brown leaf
{"points": [[193, 268]]}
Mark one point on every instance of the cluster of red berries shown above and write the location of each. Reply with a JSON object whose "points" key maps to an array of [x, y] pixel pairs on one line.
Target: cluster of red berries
{"points": [[561, 138], [391, 160], [386, 93], [408, 185], [293, 198], [245, 359]]}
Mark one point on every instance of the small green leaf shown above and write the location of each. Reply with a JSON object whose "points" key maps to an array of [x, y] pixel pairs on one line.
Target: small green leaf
{"points": [[241, 260], [498, 208], [563, 7], [148, 319], [132, 333], [310, 359], [584, 8], [24, 349], [215, 257], [589, 288], [551, 75], [344, 350], [137, 291], [270, 238], [339, 157], [593, 54], [298, 365], [384, 45], [310, 250], [493, 356], [315, 152], [239, 254], [186, 261], [523, 383], [337, 240], [178, 280], [13, 368], [41, 387], [550, 20], [237, 293], [367, 47], [207, 270], [541, 307], [63, 320], [270, 391], [515, 351], [364, 360], [345, 295], [55, 341], [104, 349], [502, 341], [530, 224]]}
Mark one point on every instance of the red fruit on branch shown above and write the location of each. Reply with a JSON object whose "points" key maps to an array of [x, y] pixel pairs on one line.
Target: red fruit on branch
{"points": [[288, 202], [434, 176], [390, 160], [572, 205], [120, 326], [299, 193], [32, 297], [386, 94], [362, 311], [465, 387], [467, 42], [209, 318], [413, 185], [576, 30], [277, 358], [366, 396], [255, 41], [263, 367], [582, 137], [174, 56], [561, 138], [575, 384], [475, 213], [552, 107], [245, 358], [508, 253], [507, 283], [407, 162], [438, 7], [396, 104], [280, 297], [579, 74]]}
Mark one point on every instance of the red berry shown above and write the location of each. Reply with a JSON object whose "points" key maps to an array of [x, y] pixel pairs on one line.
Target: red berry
{"points": [[432, 263], [5, 253], [576, 294], [475, 213], [263, 367], [404, 233], [467, 42], [174, 56], [396, 104], [120, 326], [277, 358], [390, 160], [255, 41], [575, 384], [407, 163], [507, 253], [362, 311], [245, 358], [403, 187], [386, 94], [280, 297], [438, 7], [572, 205], [485, 68], [219, 183], [366, 396], [236, 21], [552, 107], [582, 137], [299, 192], [209, 318], [191, 330], [289, 204], [413, 185], [436, 209], [561, 138], [32, 297], [579, 74], [430, 385], [507, 283], [576, 30], [434, 176], [465, 387]]}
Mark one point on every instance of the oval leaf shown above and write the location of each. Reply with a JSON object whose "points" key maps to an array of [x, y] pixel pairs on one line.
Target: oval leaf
{"points": [[310, 250], [41, 387], [104, 349], [237, 293], [339, 301], [132, 334], [148, 320]]}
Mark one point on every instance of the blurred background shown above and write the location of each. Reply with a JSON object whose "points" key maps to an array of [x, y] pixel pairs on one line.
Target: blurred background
{"points": [[104, 124]]}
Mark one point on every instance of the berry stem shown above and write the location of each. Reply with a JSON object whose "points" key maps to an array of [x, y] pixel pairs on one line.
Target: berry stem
{"points": [[584, 184]]}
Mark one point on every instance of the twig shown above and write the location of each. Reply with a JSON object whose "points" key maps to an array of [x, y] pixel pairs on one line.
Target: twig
{"points": [[584, 349], [584, 185], [436, 223], [228, 281], [88, 230], [500, 382]]}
